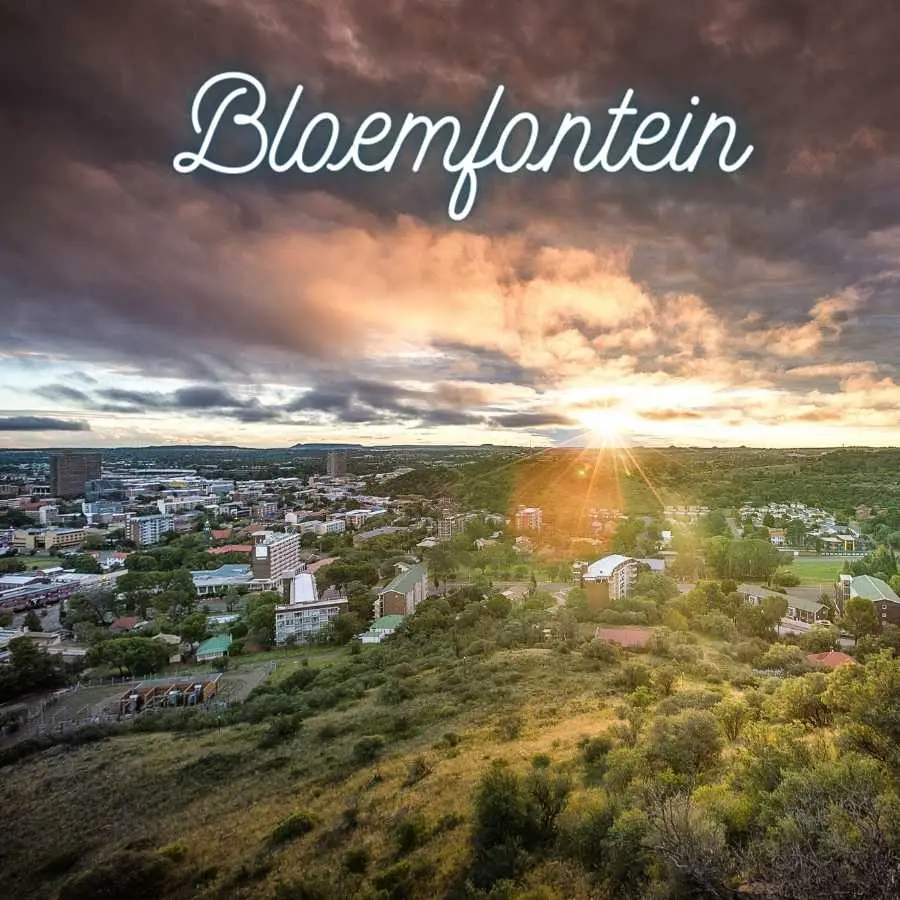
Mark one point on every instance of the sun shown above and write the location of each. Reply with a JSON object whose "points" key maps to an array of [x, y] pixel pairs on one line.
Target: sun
{"points": [[605, 426]]}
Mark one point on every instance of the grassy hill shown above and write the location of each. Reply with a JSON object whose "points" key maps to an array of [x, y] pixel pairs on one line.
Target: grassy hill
{"points": [[471, 756]]}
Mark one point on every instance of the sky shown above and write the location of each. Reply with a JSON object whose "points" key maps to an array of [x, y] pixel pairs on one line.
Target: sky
{"points": [[142, 306]]}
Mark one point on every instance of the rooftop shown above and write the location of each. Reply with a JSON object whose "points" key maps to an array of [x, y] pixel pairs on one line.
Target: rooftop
{"points": [[405, 581], [873, 588], [232, 570], [218, 644], [603, 568], [386, 623]]}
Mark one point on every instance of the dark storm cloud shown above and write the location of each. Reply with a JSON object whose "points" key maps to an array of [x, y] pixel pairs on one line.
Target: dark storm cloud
{"points": [[41, 423], [106, 254], [530, 420]]}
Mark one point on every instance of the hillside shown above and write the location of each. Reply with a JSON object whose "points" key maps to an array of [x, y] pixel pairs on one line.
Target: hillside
{"points": [[473, 756]]}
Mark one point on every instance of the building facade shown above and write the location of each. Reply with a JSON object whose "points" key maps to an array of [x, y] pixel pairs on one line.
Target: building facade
{"points": [[336, 463], [306, 614], [276, 555], [147, 530], [609, 579], [531, 518], [404, 593], [449, 526], [70, 471]]}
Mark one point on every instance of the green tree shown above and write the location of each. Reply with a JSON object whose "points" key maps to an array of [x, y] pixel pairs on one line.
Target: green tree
{"points": [[860, 617], [32, 621]]}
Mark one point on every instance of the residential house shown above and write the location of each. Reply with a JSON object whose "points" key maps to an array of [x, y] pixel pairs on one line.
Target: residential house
{"points": [[214, 648], [381, 628]]}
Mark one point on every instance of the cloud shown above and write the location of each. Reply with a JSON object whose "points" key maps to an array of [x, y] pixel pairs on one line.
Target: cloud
{"points": [[531, 420], [40, 423], [355, 296]]}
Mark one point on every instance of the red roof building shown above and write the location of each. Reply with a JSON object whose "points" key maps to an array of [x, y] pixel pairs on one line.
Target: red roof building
{"points": [[831, 660], [230, 548], [625, 637]]}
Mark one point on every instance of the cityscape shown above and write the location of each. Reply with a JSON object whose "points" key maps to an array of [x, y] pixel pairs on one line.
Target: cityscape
{"points": [[450, 449]]}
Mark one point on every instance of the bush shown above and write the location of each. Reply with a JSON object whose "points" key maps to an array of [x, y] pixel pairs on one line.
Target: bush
{"points": [[584, 840], [294, 826], [418, 769], [633, 676], [297, 681], [409, 833], [602, 651], [688, 700], [686, 743], [357, 861], [664, 679], [594, 751], [280, 729], [367, 749], [509, 728]]}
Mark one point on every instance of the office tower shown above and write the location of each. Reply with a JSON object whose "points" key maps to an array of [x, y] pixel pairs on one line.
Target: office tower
{"points": [[336, 464], [70, 470]]}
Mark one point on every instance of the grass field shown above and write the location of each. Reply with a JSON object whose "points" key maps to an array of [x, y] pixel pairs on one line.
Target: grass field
{"points": [[42, 562], [814, 570]]}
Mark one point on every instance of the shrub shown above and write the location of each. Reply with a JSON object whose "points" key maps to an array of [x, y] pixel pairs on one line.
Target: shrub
{"points": [[633, 676], [298, 680], [367, 749], [584, 840], [418, 769], [409, 833], [602, 651], [594, 750], [357, 861], [664, 679], [688, 700], [294, 826], [686, 742], [280, 728], [509, 728]]}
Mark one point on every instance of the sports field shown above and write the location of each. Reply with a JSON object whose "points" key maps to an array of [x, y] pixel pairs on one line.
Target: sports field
{"points": [[817, 569]]}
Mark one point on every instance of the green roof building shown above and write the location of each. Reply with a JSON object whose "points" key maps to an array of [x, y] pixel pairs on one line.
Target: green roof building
{"points": [[214, 648], [402, 595], [382, 627]]}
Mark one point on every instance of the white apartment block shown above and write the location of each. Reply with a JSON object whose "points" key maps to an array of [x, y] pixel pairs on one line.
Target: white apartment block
{"points": [[275, 555], [331, 526], [306, 614], [146, 530]]}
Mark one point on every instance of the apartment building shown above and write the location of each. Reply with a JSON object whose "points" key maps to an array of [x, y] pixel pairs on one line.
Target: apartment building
{"points": [[331, 526], [147, 530], [449, 526], [275, 555], [530, 518], [609, 579], [70, 470], [306, 614]]}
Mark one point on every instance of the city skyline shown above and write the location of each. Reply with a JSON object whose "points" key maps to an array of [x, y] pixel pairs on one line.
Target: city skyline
{"points": [[757, 308]]}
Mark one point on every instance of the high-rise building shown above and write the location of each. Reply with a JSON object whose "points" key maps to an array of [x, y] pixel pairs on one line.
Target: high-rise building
{"points": [[70, 470], [529, 518], [275, 555], [336, 464], [450, 525]]}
